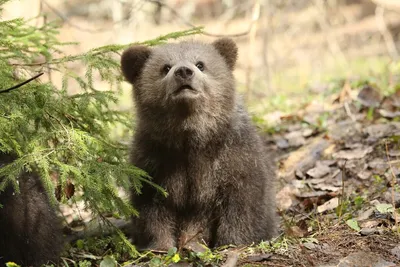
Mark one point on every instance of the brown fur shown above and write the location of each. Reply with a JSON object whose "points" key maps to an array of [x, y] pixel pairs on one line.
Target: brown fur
{"points": [[199, 144], [30, 231]]}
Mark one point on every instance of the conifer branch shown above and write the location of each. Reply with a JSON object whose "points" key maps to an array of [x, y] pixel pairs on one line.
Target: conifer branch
{"points": [[21, 84]]}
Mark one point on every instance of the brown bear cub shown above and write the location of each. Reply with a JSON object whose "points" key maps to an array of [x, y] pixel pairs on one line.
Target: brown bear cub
{"points": [[30, 231], [195, 139]]}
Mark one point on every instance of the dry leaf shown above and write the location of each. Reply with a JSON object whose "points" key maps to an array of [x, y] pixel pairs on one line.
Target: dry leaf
{"points": [[319, 170], [369, 97], [329, 205], [382, 130], [286, 197], [357, 153]]}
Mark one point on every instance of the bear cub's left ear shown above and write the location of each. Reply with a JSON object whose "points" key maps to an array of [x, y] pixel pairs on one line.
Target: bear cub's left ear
{"points": [[133, 60], [228, 50]]}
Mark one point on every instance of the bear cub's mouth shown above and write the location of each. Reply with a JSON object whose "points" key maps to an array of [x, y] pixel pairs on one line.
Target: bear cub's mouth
{"points": [[185, 88]]}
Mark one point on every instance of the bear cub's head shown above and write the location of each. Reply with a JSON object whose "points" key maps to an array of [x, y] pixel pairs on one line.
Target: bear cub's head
{"points": [[188, 75]]}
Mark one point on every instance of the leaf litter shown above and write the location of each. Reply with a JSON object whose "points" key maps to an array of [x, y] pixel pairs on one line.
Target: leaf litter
{"points": [[338, 173], [342, 182]]}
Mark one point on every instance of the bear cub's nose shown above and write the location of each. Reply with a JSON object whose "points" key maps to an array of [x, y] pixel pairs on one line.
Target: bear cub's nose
{"points": [[184, 73]]}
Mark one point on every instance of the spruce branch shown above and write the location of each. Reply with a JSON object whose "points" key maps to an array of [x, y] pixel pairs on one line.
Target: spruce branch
{"points": [[21, 84]]}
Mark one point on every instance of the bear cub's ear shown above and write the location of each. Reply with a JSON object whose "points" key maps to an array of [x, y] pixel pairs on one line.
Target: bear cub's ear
{"points": [[133, 60], [228, 50]]}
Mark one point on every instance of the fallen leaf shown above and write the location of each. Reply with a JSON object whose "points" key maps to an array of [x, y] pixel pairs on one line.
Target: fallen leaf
{"points": [[378, 166], [295, 139], [382, 130], [370, 224], [357, 153], [231, 259], [311, 194], [368, 231], [362, 258], [388, 197], [396, 251], [329, 205], [389, 114], [327, 187], [366, 214], [369, 96], [282, 143], [384, 208], [394, 153], [295, 231], [307, 132], [108, 261], [316, 180], [304, 158], [310, 245], [364, 175], [319, 170], [286, 197], [396, 98], [298, 184], [259, 257], [353, 224]]}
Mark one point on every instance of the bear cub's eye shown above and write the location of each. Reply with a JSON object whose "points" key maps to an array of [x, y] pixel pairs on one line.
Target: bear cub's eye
{"points": [[200, 65], [166, 68]]}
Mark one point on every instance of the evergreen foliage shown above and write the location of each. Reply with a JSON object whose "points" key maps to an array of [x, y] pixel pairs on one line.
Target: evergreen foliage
{"points": [[66, 136]]}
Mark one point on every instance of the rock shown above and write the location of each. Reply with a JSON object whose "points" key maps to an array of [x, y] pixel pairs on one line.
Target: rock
{"points": [[362, 258], [368, 231]]}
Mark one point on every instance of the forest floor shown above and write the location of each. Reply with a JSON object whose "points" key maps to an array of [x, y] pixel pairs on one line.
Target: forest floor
{"points": [[338, 174], [336, 147]]}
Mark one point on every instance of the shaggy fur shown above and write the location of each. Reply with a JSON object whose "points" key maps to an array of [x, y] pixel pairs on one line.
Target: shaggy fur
{"points": [[30, 231], [196, 140]]}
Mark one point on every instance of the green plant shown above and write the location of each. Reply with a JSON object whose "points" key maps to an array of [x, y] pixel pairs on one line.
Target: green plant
{"points": [[67, 137]]}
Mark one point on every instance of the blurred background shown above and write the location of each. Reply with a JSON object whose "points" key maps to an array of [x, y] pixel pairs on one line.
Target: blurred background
{"points": [[288, 49]]}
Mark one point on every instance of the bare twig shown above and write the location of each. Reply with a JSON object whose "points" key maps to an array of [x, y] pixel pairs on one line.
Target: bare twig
{"points": [[265, 42], [348, 111], [67, 20], [331, 41], [252, 40], [21, 84], [188, 23], [393, 183], [387, 36]]}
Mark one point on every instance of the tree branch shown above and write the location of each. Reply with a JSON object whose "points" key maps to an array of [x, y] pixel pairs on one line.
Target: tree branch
{"points": [[20, 84]]}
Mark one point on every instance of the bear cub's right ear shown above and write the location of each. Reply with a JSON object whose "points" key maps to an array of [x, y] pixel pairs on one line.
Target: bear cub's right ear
{"points": [[133, 60]]}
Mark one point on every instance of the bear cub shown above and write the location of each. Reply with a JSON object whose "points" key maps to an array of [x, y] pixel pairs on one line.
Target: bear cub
{"points": [[30, 231], [196, 140]]}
